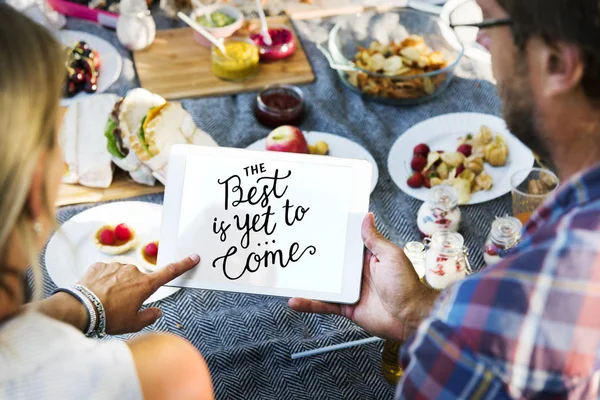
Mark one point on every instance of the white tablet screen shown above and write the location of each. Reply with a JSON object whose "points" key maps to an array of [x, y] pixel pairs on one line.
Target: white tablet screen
{"points": [[274, 223]]}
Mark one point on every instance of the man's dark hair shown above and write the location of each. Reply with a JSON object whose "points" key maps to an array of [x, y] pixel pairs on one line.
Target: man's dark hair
{"points": [[572, 21]]}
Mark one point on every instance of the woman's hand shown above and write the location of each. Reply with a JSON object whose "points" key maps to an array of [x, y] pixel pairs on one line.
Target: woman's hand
{"points": [[393, 301], [122, 289]]}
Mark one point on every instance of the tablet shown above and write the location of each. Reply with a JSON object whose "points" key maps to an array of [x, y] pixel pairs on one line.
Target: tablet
{"points": [[266, 222]]}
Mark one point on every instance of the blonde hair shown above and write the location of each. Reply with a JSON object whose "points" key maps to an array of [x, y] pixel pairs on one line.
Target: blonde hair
{"points": [[31, 78]]}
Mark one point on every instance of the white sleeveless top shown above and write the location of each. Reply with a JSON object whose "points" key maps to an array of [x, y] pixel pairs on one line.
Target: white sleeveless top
{"points": [[41, 358]]}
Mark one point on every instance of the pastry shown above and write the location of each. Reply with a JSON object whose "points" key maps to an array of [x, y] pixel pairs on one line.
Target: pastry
{"points": [[148, 255], [115, 240]]}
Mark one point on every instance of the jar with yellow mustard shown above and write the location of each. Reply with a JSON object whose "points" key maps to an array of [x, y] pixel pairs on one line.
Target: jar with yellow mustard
{"points": [[240, 62]]}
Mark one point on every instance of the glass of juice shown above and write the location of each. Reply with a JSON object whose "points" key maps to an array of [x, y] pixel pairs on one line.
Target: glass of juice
{"points": [[530, 188]]}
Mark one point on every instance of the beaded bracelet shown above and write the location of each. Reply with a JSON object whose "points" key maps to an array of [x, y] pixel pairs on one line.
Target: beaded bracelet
{"points": [[100, 331], [91, 310]]}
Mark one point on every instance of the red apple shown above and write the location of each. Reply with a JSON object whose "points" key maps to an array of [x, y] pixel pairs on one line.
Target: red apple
{"points": [[288, 139]]}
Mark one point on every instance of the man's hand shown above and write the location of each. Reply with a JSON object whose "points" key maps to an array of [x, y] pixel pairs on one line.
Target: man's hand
{"points": [[393, 301]]}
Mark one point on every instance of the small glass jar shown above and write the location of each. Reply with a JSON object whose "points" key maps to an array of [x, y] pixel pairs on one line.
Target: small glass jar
{"points": [[504, 235], [283, 43], [135, 28], [445, 260], [240, 63], [415, 251], [440, 212], [278, 105]]}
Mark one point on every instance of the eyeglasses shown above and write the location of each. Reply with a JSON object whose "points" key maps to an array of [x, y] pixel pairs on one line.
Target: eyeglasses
{"points": [[490, 23]]}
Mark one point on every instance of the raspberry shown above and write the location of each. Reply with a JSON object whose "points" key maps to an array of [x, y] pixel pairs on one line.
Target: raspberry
{"points": [[123, 232], [418, 163], [107, 237], [415, 181], [421, 149], [151, 249]]}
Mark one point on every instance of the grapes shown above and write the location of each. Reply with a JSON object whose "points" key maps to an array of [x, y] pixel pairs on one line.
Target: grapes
{"points": [[82, 66]]}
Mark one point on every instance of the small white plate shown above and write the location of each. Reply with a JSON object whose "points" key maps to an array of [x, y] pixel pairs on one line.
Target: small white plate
{"points": [[71, 251], [338, 147], [111, 62], [442, 133]]}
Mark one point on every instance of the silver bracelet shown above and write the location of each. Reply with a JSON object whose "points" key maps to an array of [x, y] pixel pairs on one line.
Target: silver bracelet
{"points": [[91, 310], [100, 331]]}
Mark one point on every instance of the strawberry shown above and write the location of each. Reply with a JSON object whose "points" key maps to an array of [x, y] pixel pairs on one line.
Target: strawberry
{"points": [[415, 181], [421, 149], [460, 169], [418, 163], [107, 237], [151, 249], [123, 232], [466, 149]]}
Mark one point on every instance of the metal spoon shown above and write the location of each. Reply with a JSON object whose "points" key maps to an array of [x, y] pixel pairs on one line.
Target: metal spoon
{"points": [[198, 28], [263, 22]]}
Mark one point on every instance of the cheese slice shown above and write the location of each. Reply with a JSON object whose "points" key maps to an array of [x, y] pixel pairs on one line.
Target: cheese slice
{"points": [[171, 125], [84, 144]]}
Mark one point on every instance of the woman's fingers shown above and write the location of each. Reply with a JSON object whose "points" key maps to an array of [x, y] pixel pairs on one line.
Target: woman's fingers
{"points": [[172, 271], [311, 306], [146, 317]]}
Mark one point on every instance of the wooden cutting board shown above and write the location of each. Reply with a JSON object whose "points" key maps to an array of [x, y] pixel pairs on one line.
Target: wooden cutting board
{"points": [[175, 66], [329, 8], [122, 187]]}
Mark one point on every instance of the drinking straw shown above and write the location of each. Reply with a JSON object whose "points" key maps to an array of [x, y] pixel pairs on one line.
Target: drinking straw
{"points": [[335, 347]]}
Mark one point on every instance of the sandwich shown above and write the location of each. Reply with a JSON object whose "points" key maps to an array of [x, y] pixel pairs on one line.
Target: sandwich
{"points": [[164, 126], [137, 102], [141, 130], [82, 141]]}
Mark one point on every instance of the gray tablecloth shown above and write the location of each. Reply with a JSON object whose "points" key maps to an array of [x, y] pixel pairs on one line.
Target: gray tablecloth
{"points": [[247, 339]]}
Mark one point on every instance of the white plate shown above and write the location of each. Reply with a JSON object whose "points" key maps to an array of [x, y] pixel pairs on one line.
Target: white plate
{"points": [[71, 251], [442, 133], [110, 61], [338, 147]]}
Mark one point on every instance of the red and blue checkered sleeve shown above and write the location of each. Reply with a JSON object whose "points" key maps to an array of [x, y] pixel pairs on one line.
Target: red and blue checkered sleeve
{"points": [[436, 366]]}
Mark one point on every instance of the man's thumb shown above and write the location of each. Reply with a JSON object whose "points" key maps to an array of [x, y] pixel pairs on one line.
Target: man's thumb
{"points": [[373, 239]]}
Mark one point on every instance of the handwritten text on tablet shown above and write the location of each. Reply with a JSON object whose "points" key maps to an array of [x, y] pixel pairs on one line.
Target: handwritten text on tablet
{"points": [[266, 191]]}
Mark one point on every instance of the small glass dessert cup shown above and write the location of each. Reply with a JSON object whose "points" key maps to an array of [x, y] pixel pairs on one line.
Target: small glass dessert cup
{"points": [[283, 43], [445, 260], [440, 212], [240, 62], [278, 105], [504, 235]]}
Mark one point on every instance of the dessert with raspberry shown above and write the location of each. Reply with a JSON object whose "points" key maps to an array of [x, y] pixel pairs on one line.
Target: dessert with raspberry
{"points": [[115, 240], [149, 254]]}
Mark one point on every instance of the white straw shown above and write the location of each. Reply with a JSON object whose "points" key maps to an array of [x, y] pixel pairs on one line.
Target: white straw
{"points": [[202, 31], [335, 347], [263, 22]]}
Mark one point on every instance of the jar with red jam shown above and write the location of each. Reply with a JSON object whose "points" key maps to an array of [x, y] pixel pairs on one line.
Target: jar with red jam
{"points": [[283, 43], [445, 260], [279, 105], [504, 235], [440, 212]]}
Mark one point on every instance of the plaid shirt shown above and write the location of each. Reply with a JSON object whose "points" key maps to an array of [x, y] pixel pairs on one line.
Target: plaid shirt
{"points": [[528, 327]]}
